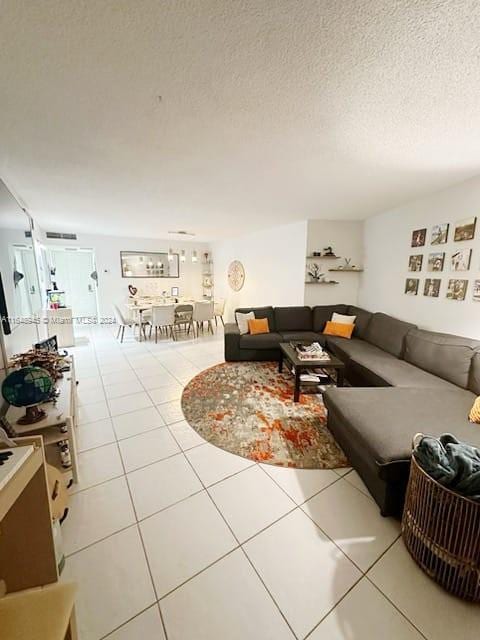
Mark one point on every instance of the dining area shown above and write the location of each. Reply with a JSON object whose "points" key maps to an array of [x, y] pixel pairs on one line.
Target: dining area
{"points": [[155, 318]]}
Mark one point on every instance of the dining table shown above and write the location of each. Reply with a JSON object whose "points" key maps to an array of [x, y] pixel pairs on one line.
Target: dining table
{"points": [[141, 306]]}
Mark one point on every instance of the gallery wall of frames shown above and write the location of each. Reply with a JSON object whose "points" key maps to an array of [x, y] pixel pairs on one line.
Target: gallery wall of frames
{"points": [[442, 261]]}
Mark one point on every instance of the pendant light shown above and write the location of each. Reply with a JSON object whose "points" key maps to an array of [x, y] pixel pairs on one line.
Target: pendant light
{"points": [[170, 254], [194, 256], [182, 255]]}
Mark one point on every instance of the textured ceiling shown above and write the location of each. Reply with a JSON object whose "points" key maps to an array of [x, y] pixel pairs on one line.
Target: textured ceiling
{"points": [[270, 111]]}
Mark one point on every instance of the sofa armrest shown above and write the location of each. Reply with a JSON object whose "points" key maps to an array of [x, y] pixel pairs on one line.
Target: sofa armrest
{"points": [[232, 342]]}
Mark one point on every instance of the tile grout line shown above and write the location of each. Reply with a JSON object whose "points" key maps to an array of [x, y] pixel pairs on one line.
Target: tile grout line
{"points": [[133, 508], [243, 550], [132, 502]]}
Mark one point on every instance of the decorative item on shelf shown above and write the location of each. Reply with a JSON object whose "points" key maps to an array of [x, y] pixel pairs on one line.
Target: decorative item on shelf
{"points": [[316, 254], [328, 252], [236, 275], [132, 290], [315, 273], [53, 362], [28, 387]]}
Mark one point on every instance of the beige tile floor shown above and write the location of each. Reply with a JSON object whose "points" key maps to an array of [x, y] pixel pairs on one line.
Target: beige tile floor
{"points": [[170, 538]]}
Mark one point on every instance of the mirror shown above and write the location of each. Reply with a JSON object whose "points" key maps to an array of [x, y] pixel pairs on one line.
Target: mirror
{"points": [[21, 303], [141, 264]]}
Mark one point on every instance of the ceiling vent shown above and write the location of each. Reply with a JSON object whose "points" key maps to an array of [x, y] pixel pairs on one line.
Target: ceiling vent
{"points": [[61, 236], [181, 232]]}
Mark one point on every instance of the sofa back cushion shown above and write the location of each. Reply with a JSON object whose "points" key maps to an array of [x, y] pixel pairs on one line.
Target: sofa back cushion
{"points": [[362, 321], [321, 315], [446, 356], [293, 318], [388, 333], [474, 379], [260, 312]]}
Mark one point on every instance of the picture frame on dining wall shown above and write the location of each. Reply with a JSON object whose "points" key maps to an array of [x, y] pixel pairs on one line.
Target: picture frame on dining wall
{"points": [[439, 234], [465, 229]]}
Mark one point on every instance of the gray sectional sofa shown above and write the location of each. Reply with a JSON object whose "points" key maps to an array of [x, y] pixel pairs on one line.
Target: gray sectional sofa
{"points": [[404, 380]]}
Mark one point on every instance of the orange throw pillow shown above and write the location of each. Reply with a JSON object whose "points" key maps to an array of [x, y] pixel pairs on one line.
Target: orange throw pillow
{"points": [[258, 326], [339, 329], [474, 415]]}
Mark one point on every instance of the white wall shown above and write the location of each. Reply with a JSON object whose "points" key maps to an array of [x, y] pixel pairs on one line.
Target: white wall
{"points": [[113, 289], [346, 239], [387, 248], [274, 262]]}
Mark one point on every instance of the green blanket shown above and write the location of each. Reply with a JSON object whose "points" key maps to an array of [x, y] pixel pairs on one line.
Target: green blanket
{"points": [[452, 463]]}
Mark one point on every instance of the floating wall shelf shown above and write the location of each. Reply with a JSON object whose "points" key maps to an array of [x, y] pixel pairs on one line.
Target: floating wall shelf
{"points": [[348, 270], [313, 282]]}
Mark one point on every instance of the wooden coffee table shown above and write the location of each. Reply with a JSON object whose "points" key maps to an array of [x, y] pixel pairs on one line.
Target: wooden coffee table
{"points": [[333, 364]]}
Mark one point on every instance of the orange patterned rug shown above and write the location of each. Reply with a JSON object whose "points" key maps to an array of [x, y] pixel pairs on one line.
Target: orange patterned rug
{"points": [[247, 408]]}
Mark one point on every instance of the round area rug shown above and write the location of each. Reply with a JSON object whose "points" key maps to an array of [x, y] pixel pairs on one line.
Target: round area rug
{"points": [[247, 408]]}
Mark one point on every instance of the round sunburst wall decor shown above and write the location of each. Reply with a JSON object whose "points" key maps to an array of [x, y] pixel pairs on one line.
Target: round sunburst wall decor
{"points": [[236, 275]]}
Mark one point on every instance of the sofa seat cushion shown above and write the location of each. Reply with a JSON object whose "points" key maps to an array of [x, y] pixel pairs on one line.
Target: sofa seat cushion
{"points": [[444, 355], [380, 423], [388, 333], [345, 348], [322, 314], [260, 341], [310, 336], [380, 369], [293, 319]]}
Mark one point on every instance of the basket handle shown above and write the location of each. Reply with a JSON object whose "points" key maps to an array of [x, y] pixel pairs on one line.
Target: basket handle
{"points": [[416, 439]]}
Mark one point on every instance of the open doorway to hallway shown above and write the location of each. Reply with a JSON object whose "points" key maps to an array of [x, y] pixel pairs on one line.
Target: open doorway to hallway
{"points": [[73, 277]]}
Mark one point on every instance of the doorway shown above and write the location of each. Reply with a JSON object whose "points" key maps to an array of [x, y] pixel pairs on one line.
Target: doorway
{"points": [[73, 271]]}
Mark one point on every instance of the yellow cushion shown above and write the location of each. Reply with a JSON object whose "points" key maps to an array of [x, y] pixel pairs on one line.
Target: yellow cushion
{"points": [[339, 329], [474, 415], [259, 325]]}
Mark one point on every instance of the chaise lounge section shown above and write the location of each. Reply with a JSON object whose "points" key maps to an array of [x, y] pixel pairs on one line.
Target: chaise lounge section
{"points": [[404, 380]]}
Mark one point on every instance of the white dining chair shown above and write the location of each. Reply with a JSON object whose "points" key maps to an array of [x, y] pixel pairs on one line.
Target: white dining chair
{"points": [[203, 312], [219, 310], [163, 317], [122, 322]]}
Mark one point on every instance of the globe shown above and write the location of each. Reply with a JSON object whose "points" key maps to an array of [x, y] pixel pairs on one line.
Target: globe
{"points": [[27, 387]]}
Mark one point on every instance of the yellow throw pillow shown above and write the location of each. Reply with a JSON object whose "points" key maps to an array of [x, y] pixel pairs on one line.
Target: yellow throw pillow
{"points": [[474, 415], [339, 329], [259, 325]]}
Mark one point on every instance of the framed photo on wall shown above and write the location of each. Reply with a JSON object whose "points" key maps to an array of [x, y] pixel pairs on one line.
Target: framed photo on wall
{"points": [[476, 290], [415, 262], [436, 261], [411, 286], [432, 287], [465, 229], [457, 289], [419, 237], [440, 233], [460, 260]]}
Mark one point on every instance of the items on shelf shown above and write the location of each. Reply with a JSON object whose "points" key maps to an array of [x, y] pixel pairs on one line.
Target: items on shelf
{"points": [[28, 387]]}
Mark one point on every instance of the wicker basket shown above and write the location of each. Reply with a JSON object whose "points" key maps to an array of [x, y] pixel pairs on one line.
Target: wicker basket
{"points": [[441, 530]]}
